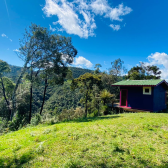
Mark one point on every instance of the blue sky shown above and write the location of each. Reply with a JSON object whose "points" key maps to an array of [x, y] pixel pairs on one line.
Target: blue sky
{"points": [[101, 30]]}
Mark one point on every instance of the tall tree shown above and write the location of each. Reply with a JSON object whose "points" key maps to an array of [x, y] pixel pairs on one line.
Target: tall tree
{"points": [[114, 74], [85, 83], [97, 68], [117, 68], [59, 54], [53, 75], [31, 50], [4, 68], [39, 48]]}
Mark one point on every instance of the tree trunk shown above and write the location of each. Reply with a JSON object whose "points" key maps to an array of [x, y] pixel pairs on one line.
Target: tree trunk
{"points": [[31, 96], [45, 89], [98, 109], [15, 89], [104, 102], [7, 102], [86, 104]]}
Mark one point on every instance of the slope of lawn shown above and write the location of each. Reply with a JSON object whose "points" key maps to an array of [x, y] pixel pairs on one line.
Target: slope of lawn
{"points": [[124, 140]]}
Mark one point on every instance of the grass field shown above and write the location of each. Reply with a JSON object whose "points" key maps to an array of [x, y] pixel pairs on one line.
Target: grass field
{"points": [[124, 140]]}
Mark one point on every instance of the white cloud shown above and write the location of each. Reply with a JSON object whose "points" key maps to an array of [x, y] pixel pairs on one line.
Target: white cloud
{"points": [[69, 19], [82, 62], [160, 60], [117, 12], [77, 17], [4, 35], [115, 27], [16, 50], [100, 7], [52, 29]]}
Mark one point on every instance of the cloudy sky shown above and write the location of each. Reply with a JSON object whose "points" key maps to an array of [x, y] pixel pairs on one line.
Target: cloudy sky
{"points": [[101, 30]]}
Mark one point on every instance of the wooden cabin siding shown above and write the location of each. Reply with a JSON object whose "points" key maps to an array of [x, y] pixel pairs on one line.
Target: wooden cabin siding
{"points": [[159, 98], [137, 100]]}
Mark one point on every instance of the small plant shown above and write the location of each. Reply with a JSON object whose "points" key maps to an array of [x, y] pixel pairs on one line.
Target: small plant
{"points": [[17, 147], [55, 129], [32, 134], [40, 149], [47, 131]]}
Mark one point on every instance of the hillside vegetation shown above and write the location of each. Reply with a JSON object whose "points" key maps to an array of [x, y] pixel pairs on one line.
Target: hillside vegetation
{"points": [[16, 70], [59, 96], [125, 140]]}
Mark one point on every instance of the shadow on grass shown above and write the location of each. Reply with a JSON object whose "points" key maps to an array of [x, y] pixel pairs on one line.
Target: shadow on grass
{"points": [[16, 162], [146, 163], [104, 163], [91, 119]]}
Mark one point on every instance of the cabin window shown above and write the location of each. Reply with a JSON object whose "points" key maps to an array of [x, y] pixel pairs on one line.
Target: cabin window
{"points": [[147, 91]]}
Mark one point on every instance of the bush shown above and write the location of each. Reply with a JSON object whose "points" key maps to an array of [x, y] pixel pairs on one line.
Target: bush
{"points": [[49, 118], [79, 113], [71, 114], [18, 122], [66, 115], [3, 125], [36, 120]]}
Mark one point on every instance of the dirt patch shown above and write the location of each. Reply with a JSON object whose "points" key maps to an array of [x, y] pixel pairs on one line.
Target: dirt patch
{"points": [[165, 128]]}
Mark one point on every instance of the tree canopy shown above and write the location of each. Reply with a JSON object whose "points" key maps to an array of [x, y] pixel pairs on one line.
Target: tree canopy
{"points": [[144, 71], [85, 83]]}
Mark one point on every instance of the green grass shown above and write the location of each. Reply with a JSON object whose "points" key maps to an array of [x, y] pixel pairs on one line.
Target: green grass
{"points": [[125, 140]]}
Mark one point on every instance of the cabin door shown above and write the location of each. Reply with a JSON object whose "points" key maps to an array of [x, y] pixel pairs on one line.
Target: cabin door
{"points": [[123, 97]]}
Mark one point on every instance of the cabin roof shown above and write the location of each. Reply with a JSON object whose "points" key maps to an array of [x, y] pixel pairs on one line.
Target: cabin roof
{"points": [[153, 82]]}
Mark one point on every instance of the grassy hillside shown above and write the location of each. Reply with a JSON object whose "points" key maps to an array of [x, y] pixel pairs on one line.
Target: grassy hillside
{"points": [[125, 140]]}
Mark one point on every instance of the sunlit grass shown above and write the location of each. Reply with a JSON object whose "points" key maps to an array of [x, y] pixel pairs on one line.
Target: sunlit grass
{"points": [[125, 140]]}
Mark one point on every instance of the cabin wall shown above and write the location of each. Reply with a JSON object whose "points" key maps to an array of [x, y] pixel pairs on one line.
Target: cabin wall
{"points": [[159, 98], [137, 100]]}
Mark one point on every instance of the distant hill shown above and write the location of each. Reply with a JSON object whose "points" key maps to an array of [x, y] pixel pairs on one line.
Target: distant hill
{"points": [[79, 71], [16, 70]]}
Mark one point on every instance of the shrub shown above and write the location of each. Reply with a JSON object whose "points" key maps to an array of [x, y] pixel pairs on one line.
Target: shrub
{"points": [[71, 114], [79, 113], [66, 115], [36, 119], [3, 125], [49, 118], [47, 131], [40, 148], [17, 122]]}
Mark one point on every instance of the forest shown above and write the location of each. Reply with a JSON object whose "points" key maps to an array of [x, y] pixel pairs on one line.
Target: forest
{"points": [[48, 90]]}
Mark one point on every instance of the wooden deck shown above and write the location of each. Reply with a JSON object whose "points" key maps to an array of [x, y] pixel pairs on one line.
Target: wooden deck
{"points": [[120, 109]]}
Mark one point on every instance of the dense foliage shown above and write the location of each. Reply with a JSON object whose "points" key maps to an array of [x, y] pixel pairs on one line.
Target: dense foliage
{"points": [[144, 71], [63, 98]]}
